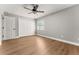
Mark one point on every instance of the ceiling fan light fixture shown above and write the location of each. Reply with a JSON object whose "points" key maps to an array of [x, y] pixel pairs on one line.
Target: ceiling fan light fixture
{"points": [[34, 9]]}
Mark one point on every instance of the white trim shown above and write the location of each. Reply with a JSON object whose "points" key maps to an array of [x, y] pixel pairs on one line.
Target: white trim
{"points": [[68, 42], [16, 37]]}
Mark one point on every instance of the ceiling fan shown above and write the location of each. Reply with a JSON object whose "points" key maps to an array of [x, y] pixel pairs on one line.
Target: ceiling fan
{"points": [[34, 10]]}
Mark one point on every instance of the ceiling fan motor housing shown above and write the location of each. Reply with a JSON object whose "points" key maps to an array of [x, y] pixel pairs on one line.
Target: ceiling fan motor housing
{"points": [[34, 10]]}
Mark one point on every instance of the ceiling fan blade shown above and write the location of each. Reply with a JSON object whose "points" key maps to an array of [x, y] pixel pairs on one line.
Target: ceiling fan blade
{"points": [[30, 12], [35, 6], [27, 8], [40, 11]]}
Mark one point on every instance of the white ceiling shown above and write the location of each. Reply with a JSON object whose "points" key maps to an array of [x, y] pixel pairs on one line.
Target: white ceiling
{"points": [[19, 10]]}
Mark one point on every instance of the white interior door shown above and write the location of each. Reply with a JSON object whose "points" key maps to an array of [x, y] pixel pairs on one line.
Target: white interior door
{"points": [[9, 28], [13, 28]]}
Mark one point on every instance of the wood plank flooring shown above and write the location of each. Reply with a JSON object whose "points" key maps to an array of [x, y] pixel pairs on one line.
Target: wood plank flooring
{"points": [[36, 45]]}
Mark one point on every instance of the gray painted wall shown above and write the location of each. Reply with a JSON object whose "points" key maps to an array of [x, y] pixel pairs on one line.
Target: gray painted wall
{"points": [[62, 25]]}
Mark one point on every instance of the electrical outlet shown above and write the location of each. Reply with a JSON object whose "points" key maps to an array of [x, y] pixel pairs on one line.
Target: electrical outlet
{"points": [[62, 36]]}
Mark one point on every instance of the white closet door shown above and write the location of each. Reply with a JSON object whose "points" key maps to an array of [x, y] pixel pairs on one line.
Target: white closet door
{"points": [[13, 27], [6, 28], [9, 27]]}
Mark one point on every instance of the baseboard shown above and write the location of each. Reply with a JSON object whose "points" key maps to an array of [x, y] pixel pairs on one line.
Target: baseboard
{"points": [[25, 36], [19, 37], [61, 40]]}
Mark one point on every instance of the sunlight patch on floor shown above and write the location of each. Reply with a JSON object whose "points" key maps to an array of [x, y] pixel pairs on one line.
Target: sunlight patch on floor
{"points": [[0, 43], [41, 46]]}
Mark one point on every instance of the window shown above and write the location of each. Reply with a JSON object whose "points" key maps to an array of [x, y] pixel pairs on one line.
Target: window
{"points": [[40, 25]]}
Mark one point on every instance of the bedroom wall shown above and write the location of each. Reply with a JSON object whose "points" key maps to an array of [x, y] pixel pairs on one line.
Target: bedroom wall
{"points": [[63, 25]]}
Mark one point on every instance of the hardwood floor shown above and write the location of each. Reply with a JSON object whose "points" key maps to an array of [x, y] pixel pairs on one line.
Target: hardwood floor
{"points": [[36, 45]]}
